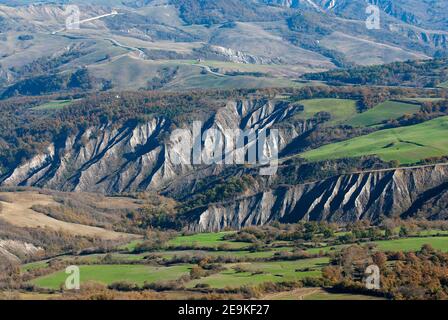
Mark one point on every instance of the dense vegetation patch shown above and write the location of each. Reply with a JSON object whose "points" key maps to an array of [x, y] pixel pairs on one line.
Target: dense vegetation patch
{"points": [[428, 73], [222, 11]]}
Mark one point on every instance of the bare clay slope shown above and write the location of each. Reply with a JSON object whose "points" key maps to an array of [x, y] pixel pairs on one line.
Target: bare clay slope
{"points": [[346, 198], [130, 158]]}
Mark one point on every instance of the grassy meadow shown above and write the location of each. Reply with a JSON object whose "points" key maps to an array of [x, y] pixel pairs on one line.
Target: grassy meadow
{"points": [[260, 272], [211, 240], [132, 268], [341, 110], [405, 144], [410, 244], [384, 111], [108, 274]]}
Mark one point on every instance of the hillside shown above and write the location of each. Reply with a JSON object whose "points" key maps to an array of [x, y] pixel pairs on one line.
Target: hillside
{"points": [[370, 195], [111, 144], [43, 223], [188, 44], [223, 150], [406, 145], [17, 210], [426, 73]]}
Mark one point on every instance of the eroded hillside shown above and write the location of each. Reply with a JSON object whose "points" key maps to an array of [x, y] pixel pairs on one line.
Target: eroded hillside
{"points": [[396, 193]]}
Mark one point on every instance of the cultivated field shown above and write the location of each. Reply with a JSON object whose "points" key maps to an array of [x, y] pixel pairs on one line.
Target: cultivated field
{"points": [[256, 268], [211, 240], [260, 272]]}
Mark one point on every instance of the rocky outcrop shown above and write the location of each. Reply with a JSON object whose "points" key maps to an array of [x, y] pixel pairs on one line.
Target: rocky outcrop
{"points": [[236, 56], [136, 157], [283, 3], [434, 39], [18, 251], [5, 76], [346, 198], [296, 3]]}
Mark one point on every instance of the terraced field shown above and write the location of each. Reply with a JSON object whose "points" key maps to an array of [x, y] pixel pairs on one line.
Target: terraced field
{"points": [[407, 145], [195, 79]]}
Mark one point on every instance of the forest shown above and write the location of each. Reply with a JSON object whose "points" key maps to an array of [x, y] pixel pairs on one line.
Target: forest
{"points": [[420, 74]]}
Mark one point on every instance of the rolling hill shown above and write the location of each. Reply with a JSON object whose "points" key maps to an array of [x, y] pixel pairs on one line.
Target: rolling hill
{"points": [[281, 39], [406, 145], [134, 149]]}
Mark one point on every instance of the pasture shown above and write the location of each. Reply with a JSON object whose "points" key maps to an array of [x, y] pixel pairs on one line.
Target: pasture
{"points": [[413, 244], [384, 111], [341, 110], [211, 240], [407, 145], [260, 272], [108, 274]]}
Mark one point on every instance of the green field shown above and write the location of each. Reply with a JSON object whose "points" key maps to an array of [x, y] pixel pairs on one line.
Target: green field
{"points": [[239, 254], [54, 105], [406, 144], [206, 240], [33, 266], [253, 273], [210, 81], [405, 244], [139, 274], [427, 233], [168, 254], [340, 109], [272, 272], [130, 246], [125, 257], [384, 111], [108, 274], [413, 244], [421, 99]]}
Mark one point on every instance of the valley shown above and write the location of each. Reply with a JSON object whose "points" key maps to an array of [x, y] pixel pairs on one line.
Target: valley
{"points": [[146, 40], [208, 264], [223, 150]]}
